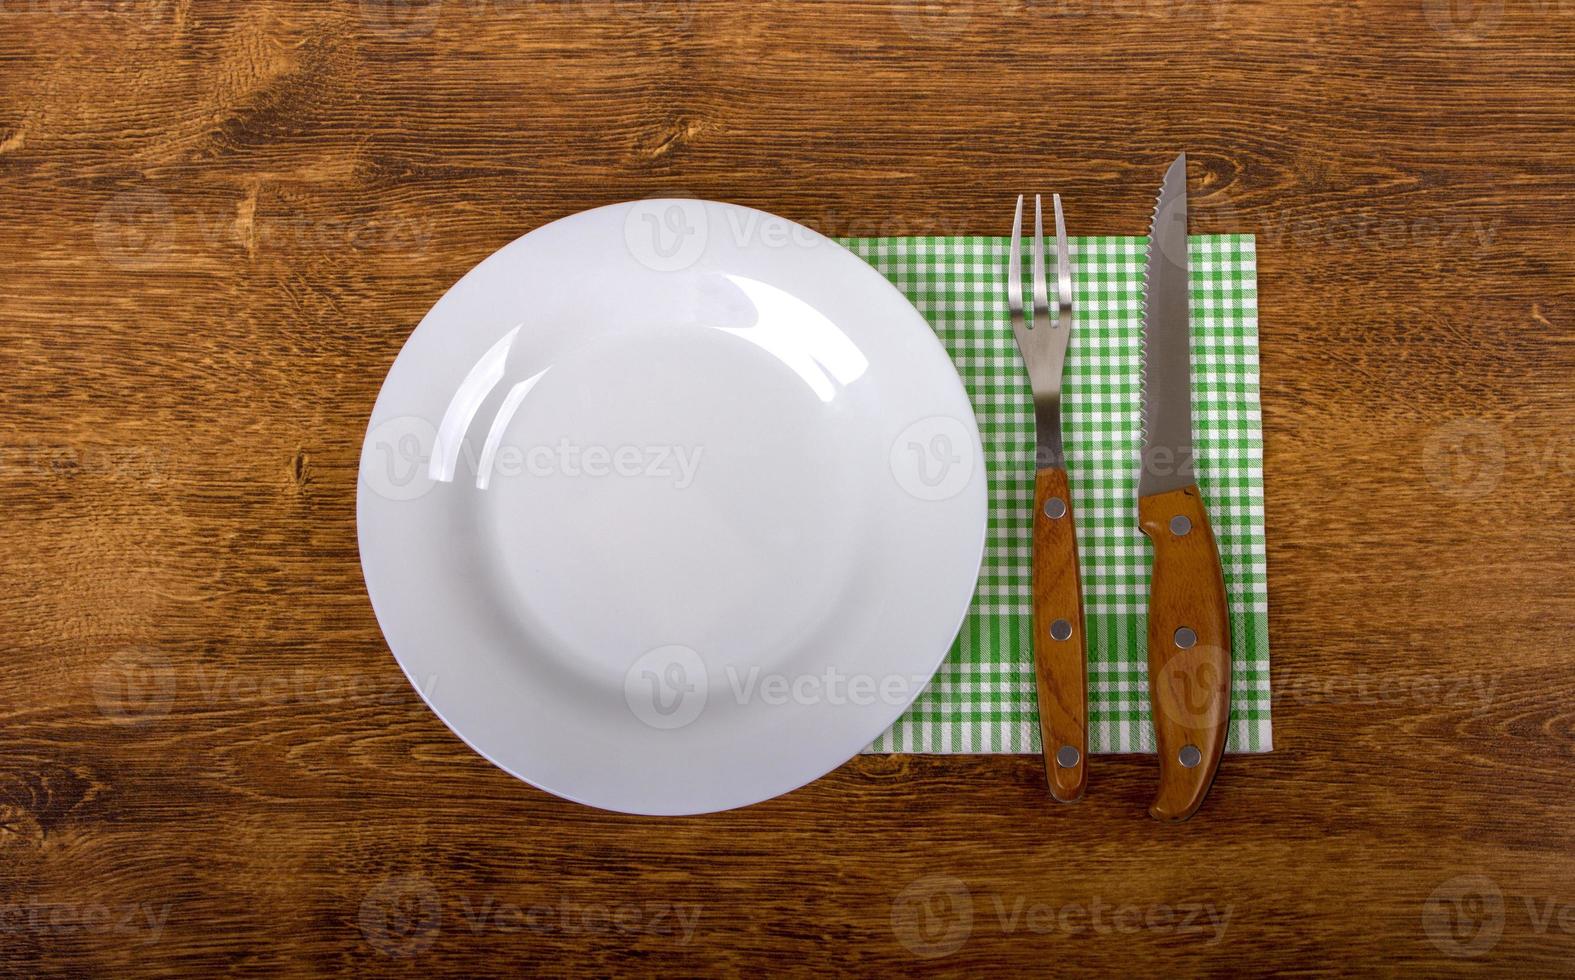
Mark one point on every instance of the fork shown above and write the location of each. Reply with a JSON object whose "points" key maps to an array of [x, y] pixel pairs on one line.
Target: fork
{"points": [[1060, 657]]}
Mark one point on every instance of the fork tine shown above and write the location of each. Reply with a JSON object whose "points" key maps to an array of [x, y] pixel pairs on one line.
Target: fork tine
{"points": [[1063, 262], [1041, 295], [1014, 262]]}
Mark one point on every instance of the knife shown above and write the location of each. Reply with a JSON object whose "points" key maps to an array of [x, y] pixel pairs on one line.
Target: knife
{"points": [[1060, 657], [1188, 632]]}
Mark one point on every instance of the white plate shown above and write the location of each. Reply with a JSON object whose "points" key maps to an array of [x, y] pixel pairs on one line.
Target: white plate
{"points": [[671, 506]]}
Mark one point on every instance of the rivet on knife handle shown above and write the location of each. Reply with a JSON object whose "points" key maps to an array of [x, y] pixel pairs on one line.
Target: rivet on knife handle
{"points": [[1060, 650], [1188, 649]]}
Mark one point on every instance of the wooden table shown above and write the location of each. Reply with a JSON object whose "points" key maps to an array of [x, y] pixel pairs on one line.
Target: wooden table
{"points": [[219, 222]]}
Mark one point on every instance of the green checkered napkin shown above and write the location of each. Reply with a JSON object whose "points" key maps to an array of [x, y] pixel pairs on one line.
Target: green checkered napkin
{"points": [[982, 698]]}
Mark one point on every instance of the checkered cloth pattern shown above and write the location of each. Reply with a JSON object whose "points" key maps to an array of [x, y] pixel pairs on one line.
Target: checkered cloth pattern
{"points": [[982, 699]]}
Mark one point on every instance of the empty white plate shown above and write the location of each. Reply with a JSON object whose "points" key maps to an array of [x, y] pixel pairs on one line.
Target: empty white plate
{"points": [[671, 506]]}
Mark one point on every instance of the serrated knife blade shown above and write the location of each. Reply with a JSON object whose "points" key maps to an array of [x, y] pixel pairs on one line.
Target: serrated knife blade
{"points": [[1188, 627], [1167, 342]]}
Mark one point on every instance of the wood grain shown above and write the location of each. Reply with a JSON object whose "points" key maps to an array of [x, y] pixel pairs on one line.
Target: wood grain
{"points": [[1189, 680], [1060, 662], [219, 222]]}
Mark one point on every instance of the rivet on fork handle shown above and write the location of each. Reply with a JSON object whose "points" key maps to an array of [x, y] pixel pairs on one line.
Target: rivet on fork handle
{"points": [[1060, 649]]}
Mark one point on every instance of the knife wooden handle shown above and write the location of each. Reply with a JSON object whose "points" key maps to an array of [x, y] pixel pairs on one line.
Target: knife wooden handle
{"points": [[1188, 649], [1060, 655]]}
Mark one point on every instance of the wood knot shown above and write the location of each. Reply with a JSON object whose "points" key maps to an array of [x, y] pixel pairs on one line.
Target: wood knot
{"points": [[300, 468], [18, 826], [13, 139], [674, 133], [35, 802]]}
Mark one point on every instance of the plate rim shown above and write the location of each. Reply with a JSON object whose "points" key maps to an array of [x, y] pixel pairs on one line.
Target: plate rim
{"points": [[893, 711]]}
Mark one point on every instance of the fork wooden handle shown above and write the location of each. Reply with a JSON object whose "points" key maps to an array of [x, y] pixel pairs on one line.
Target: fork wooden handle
{"points": [[1060, 652]]}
